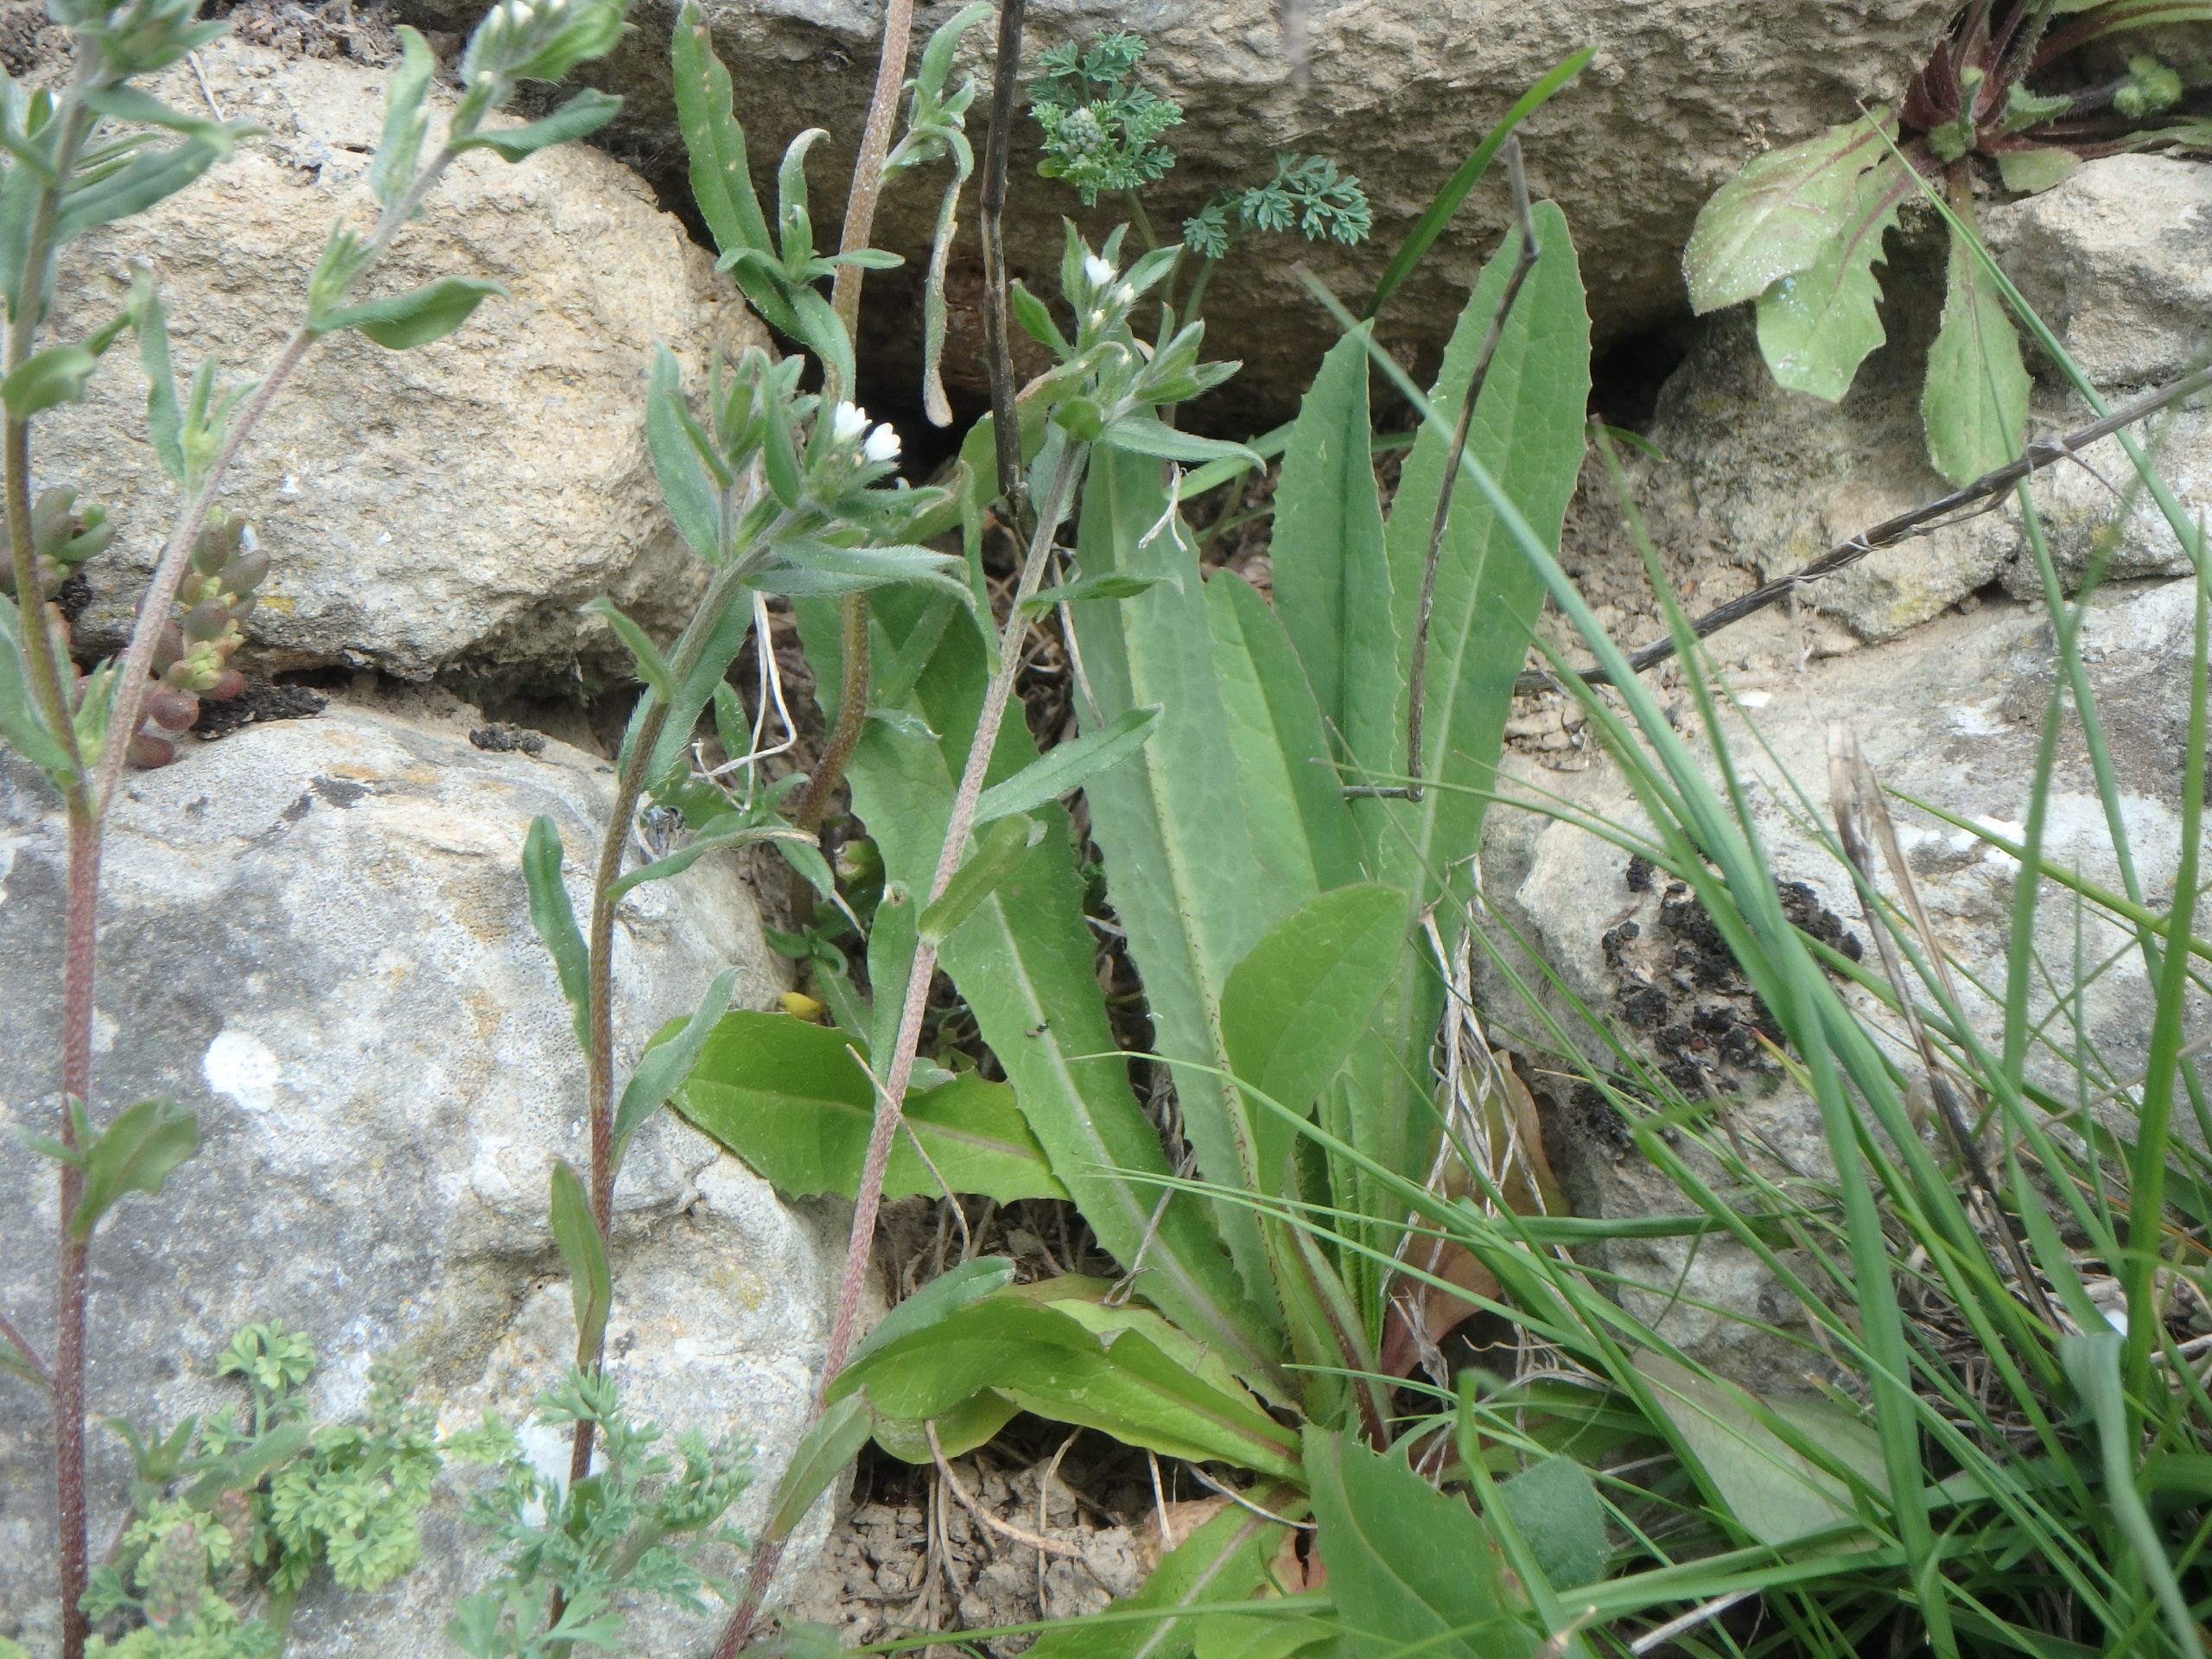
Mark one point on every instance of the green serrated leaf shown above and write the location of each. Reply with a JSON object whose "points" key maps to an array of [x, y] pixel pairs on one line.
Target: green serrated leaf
{"points": [[591, 1288], [2030, 171], [1975, 404], [788, 1098], [1774, 218], [1817, 326]]}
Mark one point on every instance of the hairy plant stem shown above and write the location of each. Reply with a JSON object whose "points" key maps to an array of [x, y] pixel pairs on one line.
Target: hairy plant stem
{"points": [[845, 299], [891, 1099], [599, 1060], [89, 799], [52, 683]]}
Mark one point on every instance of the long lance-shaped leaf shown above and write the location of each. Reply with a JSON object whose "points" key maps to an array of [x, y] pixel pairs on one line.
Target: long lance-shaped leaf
{"points": [[1332, 583], [722, 182], [1191, 884], [1277, 732], [1975, 405], [1817, 326], [1024, 962], [1439, 211], [1526, 430]]}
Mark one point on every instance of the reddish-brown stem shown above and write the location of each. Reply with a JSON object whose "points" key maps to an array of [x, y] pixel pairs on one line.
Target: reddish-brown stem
{"points": [[81, 916], [891, 1099], [845, 299]]}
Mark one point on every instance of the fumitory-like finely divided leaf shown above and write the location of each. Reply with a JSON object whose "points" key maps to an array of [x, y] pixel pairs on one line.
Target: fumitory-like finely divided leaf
{"points": [[1774, 218]]}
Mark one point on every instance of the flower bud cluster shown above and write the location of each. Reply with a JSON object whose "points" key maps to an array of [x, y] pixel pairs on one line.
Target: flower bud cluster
{"points": [[1106, 371], [136, 37]]}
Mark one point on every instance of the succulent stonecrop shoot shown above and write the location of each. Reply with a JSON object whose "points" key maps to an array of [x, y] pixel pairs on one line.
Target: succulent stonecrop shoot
{"points": [[1800, 230], [1102, 125], [193, 659]]}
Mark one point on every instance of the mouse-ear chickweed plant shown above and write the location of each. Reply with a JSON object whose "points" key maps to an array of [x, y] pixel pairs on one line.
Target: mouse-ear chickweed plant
{"points": [[88, 152]]}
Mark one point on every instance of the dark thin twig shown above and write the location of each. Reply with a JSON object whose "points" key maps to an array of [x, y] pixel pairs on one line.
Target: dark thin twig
{"points": [[1006, 418], [1984, 494], [1417, 672], [845, 299]]}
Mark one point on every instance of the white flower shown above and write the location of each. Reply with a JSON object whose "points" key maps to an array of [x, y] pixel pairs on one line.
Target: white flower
{"points": [[1097, 269], [849, 423], [882, 444]]}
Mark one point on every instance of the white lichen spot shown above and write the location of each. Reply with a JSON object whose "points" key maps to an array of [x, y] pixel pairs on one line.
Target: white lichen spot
{"points": [[241, 1065]]}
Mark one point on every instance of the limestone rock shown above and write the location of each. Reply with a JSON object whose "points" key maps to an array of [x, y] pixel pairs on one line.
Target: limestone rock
{"points": [[1950, 715], [316, 934], [445, 510], [1680, 94], [1772, 478], [2115, 260]]}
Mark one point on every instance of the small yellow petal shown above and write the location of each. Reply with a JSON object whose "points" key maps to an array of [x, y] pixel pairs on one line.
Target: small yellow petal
{"points": [[800, 1006]]}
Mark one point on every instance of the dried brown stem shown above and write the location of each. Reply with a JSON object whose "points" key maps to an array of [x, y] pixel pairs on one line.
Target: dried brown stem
{"points": [[1417, 670], [1984, 494], [1006, 418], [967, 1501]]}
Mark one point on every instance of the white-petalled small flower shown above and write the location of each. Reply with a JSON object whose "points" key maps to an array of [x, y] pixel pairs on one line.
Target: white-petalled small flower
{"points": [[849, 423], [1097, 269], [882, 444]]}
